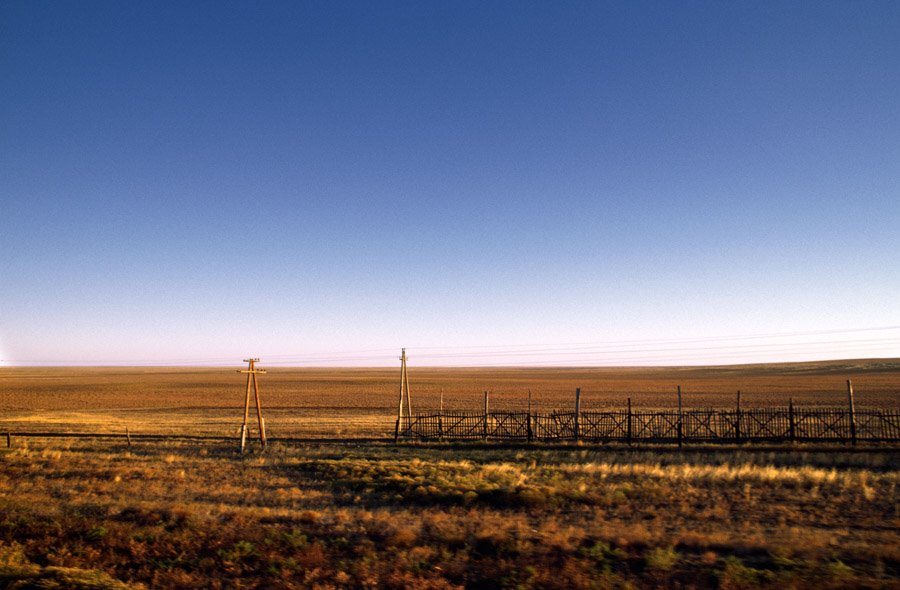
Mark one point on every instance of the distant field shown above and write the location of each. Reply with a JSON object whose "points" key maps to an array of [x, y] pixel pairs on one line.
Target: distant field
{"points": [[362, 402]]}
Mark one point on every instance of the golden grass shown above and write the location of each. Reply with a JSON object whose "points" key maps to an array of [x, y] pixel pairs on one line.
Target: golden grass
{"points": [[372, 515], [94, 514]]}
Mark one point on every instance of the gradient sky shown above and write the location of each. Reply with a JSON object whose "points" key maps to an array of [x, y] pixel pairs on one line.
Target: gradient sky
{"points": [[618, 183]]}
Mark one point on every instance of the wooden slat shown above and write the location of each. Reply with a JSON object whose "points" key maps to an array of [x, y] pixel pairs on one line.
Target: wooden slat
{"points": [[752, 425]]}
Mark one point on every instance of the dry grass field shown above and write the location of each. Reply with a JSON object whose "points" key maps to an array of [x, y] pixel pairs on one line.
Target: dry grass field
{"points": [[94, 514], [97, 513], [362, 402]]}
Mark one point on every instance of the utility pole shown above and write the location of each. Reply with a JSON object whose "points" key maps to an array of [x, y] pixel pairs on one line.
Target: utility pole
{"points": [[404, 397], [251, 371]]}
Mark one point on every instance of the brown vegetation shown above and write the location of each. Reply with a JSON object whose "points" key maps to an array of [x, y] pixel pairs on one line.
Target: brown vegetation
{"points": [[362, 402], [99, 514], [369, 516]]}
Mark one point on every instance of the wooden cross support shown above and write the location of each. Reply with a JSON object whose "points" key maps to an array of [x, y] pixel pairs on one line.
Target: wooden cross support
{"points": [[252, 372], [404, 400]]}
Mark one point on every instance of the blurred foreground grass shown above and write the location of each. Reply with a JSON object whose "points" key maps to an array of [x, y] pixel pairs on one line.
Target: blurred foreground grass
{"points": [[418, 516]]}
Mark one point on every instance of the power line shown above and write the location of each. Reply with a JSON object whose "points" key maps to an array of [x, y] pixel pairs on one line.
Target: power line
{"points": [[726, 348]]}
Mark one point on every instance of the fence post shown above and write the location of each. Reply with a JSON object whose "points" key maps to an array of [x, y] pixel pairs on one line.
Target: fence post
{"points": [[628, 431], [852, 412], [577, 413], [792, 433], [680, 419], [8, 439], [396, 432], [441, 417], [528, 429], [737, 418], [484, 432], [128, 436]]}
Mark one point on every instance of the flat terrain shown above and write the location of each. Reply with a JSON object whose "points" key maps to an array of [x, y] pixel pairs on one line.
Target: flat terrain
{"points": [[362, 402], [95, 514]]}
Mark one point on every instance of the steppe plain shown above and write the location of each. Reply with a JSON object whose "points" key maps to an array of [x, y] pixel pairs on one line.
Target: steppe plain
{"points": [[345, 402], [320, 513]]}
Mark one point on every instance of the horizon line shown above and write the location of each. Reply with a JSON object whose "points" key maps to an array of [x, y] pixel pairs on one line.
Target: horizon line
{"points": [[276, 365]]}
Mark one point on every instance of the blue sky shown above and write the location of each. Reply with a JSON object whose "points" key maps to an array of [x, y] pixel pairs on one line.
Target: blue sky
{"points": [[327, 182]]}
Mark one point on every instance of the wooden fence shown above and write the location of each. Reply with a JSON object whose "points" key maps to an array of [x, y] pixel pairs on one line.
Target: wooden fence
{"points": [[777, 424]]}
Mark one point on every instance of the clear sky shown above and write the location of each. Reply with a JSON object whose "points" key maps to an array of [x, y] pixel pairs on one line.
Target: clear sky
{"points": [[481, 182]]}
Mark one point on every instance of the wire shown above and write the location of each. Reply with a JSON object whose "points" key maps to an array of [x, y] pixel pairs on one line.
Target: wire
{"points": [[725, 347]]}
